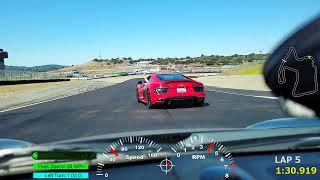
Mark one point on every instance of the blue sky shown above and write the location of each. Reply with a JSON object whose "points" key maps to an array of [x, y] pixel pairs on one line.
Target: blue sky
{"points": [[37, 32]]}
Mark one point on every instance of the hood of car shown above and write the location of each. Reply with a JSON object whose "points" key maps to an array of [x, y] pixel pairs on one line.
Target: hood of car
{"points": [[286, 123], [177, 134]]}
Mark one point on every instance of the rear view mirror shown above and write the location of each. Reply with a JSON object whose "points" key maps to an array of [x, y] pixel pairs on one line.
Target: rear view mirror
{"points": [[293, 69], [139, 82]]}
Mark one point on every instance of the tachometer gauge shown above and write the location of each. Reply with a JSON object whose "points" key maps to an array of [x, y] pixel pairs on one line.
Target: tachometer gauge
{"points": [[210, 155], [127, 149]]}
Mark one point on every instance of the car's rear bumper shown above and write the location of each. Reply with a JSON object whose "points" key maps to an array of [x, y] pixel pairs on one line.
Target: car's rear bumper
{"points": [[186, 99]]}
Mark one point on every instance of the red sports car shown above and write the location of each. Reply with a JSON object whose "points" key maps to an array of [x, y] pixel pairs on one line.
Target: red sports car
{"points": [[167, 88]]}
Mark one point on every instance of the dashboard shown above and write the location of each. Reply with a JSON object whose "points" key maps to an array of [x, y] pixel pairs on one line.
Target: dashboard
{"points": [[248, 167], [195, 157]]}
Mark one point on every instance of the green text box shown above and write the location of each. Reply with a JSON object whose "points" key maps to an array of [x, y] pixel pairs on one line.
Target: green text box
{"points": [[63, 155], [60, 166]]}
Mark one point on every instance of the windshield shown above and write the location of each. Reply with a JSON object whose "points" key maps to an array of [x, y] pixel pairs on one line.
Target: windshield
{"points": [[145, 69]]}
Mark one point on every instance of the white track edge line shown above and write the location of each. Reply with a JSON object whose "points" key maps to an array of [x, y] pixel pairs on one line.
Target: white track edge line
{"points": [[239, 94]]}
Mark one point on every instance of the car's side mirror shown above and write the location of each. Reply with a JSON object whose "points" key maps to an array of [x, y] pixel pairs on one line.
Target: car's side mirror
{"points": [[139, 82], [292, 71]]}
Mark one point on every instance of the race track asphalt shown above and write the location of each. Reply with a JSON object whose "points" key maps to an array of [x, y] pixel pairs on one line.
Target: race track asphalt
{"points": [[114, 109]]}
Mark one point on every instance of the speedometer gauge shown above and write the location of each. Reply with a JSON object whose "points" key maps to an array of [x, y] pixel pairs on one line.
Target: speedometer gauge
{"points": [[207, 152], [131, 148], [125, 150]]}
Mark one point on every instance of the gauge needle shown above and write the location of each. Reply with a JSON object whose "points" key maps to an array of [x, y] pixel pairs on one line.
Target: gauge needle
{"points": [[210, 147], [114, 152]]}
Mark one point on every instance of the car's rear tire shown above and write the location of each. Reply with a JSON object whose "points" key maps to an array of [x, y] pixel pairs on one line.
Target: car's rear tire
{"points": [[199, 104], [149, 104]]}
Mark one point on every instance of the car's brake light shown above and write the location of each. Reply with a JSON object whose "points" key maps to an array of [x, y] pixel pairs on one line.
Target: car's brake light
{"points": [[161, 90], [198, 88]]}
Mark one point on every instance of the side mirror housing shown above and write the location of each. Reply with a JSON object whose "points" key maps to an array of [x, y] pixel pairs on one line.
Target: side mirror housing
{"points": [[292, 71], [139, 82]]}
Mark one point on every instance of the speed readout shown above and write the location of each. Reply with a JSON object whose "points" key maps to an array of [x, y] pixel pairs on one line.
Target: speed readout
{"points": [[128, 149]]}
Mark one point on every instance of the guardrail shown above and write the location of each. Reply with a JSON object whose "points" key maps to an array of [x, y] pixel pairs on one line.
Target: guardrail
{"points": [[203, 71]]}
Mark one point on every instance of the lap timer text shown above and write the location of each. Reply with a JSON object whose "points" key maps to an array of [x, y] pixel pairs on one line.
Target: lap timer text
{"points": [[287, 159], [289, 165]]}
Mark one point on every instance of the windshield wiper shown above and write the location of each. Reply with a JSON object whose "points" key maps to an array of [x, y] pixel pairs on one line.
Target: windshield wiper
{"points": [[307, 143]]}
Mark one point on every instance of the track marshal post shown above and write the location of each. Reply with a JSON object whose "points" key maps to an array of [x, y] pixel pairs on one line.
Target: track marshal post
{"points": [[3, 55]]}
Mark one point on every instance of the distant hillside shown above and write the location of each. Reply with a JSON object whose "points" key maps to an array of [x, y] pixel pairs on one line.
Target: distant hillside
{"points": [[127, 64], [44, 68]]}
